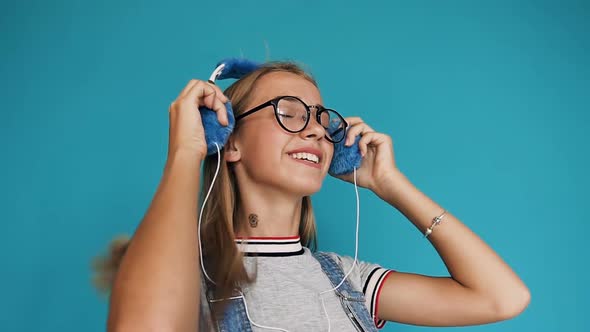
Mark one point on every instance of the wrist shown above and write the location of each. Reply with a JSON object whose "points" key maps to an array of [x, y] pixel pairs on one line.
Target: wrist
{"points": [[184, 157], [391, 185]]}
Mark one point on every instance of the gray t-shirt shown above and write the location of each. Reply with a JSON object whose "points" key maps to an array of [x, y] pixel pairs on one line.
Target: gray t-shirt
{"points": [[288, 281]]}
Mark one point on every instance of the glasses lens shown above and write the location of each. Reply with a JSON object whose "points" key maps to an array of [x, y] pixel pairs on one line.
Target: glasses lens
{"points": [[292, 113], [334, 125]]}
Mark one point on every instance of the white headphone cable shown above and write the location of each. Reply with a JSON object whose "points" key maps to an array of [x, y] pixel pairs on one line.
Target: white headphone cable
{"points": [[356, 249], [201, 251]]}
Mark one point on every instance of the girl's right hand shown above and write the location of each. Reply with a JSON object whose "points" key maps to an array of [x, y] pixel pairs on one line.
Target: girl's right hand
{"points": [[186, 131]]}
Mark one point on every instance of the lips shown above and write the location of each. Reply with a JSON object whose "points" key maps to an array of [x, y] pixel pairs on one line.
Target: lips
{"points": [[308, 163]]}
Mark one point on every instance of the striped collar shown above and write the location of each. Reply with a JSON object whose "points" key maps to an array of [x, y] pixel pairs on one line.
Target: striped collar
{"points": [[270, 246]]}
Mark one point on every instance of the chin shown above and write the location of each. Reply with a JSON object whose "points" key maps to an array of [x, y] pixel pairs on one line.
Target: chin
{"points": [[305, 188]]}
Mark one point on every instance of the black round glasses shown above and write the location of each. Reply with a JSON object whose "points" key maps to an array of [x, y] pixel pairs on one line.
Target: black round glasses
{"points": [[293, 116]]}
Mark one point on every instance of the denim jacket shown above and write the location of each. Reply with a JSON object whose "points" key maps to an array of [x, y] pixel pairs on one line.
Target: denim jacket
{"points": [[236, 319]]}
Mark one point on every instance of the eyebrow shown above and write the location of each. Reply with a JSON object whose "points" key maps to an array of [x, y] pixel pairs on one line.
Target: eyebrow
{"points": [[316, 106]]}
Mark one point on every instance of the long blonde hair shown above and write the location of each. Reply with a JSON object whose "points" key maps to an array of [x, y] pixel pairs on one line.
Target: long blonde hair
{"points": [[221, 257]]}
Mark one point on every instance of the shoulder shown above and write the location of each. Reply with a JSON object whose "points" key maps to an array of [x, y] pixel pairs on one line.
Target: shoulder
{"points": [[348, 266], [332, 255], [347, 262], [363, 273]]}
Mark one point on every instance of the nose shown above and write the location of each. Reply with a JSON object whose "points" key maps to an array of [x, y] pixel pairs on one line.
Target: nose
{"points": [[313, 129]]}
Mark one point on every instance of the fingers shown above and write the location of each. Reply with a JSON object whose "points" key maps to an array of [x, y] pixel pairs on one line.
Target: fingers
{"points": [[353, 120], [365, 140], [185, 90], [358, 127], [220, 94], [210, 96], [368, 135], [192, 83]]}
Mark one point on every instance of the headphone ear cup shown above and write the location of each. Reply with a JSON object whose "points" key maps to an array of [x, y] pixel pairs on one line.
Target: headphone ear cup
{"points": [[345, 158], [215, 133]]}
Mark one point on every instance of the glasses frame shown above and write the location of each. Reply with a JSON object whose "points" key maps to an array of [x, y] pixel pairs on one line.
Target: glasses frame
{"points": [[319, 110]]}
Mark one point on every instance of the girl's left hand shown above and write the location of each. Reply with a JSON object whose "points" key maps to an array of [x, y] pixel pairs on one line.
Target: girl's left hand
{"points": [[377, 149]]}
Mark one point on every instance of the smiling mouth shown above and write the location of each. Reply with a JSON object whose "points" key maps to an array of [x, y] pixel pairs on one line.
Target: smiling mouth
{"points": [[306, 156], [302, 160]]}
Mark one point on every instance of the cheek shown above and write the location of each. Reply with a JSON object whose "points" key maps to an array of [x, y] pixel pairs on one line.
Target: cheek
{"points": [[265, 147], [330, 152]]}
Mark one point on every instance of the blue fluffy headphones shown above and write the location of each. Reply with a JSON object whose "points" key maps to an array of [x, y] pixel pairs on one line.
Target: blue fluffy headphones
{"points": [[344, 161]]}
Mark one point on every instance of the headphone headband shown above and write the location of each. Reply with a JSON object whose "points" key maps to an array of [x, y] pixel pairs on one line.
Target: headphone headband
{"points": [[235, 68]]}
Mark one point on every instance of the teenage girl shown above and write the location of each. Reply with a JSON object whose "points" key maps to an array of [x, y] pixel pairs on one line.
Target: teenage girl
{"points": [[254, 266]]}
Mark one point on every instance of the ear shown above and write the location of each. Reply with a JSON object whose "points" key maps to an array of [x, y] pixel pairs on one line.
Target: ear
{"points": [[232, 150]]}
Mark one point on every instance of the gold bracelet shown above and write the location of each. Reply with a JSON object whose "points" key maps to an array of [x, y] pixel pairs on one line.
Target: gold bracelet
{"points": [[435, 222]]}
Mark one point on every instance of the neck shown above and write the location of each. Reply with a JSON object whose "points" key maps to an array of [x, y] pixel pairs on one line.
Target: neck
{"points": [[268, 214]]}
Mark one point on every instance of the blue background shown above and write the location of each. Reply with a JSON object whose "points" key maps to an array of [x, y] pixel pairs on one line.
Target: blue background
{"points": [[486, 102]]}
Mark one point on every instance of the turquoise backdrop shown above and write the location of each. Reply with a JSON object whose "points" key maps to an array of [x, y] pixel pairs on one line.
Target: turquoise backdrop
{"points": [[486, 102]]}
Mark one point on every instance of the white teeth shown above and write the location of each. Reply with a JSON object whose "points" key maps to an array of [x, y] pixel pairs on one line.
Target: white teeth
{"points": [[306, 156]]}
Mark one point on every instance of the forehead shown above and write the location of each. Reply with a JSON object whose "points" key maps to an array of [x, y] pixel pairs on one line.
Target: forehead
{"points": [[285, 84]]}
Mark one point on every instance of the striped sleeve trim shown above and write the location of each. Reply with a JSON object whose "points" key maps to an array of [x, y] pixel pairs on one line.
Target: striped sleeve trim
{"points": [[372, 290]]}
